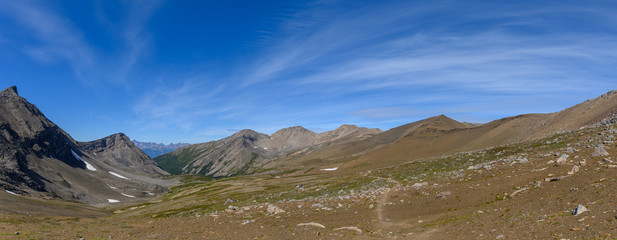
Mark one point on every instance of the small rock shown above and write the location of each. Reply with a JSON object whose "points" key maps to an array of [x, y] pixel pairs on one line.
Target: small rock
{"points": [[579, 209], [518, 191], [599, 151], [229, 201], [443, 195], [317, 205], [419, 185], [606, 160], [573, 171], [563, 159], [272, 209], [524, 160], [313, 224], [500, 236]]}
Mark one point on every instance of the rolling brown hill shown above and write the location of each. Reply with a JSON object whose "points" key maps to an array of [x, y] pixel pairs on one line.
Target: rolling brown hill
{"points": [[441, 135]]}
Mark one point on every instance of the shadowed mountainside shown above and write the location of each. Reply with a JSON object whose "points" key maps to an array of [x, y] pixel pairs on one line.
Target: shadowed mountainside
{"points": [[38, 158]]}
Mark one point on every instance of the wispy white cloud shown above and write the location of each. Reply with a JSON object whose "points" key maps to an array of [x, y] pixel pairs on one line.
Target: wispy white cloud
{"points": [[366, 50], [57, 39], [183, 106], [136, 37]]}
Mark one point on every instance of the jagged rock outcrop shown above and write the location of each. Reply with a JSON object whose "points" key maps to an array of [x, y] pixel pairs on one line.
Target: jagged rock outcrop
{"points": [[38, 158]]}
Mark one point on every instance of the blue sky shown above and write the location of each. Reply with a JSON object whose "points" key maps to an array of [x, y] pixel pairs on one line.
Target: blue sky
{"points": [[194, 71]]}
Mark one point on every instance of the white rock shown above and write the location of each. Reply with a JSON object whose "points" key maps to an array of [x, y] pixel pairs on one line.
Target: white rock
{"points": [[518, 191], [274, 209], [329, 169], [313, 224], [599, 151], [579, 209], [419, 185]]}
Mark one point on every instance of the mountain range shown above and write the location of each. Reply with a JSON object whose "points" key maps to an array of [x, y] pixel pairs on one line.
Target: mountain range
{"points": [[155, 149], [436, 178], [246, 150], [353, 148], [39, 159]]}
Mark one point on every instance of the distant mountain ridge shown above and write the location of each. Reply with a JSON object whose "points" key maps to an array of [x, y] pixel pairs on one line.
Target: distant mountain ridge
{"points": [[155, 149], [38, 158], [245, 150], [349, 148]]}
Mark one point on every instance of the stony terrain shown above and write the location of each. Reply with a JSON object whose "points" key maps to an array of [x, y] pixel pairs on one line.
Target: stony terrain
{"points": [[519, 191], [539, 176]]}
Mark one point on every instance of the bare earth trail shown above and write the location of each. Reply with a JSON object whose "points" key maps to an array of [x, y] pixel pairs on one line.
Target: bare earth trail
{"points": [[388, 225]]}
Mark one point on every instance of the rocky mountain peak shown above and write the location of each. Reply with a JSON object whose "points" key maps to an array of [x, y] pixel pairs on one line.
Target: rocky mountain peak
{"points": [[297, 129], [244, 132], [10, 91], [442, 122], [38, 158], [114, 140], [347, 126]]}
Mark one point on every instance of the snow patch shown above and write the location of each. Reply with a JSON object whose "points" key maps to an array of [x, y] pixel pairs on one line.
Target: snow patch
{"points": [[88, 165], [111, 187], [126, 195], [118, 175], [113, 201], [330, 169], [12, 193]]}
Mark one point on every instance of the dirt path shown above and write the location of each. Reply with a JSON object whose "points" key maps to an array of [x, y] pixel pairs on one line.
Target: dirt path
{"points": [[387, 225], [383, 200]]}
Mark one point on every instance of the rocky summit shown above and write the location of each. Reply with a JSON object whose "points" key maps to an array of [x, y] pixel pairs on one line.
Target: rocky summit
{"points": [[246, 151], [38, 158]]}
